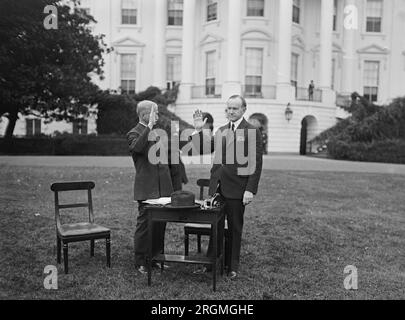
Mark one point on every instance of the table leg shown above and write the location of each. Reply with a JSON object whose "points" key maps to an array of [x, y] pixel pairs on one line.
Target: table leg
{"points": [[150, 239], [215, 256], [221, 241]]}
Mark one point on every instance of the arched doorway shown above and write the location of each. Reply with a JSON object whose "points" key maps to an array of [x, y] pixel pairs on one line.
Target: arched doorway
{"points": [[260, 121], [309, 130]]}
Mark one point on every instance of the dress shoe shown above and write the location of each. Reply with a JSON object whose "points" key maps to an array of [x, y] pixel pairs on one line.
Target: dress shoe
{"points": [[156, 265], [232, 275], [202, 270], [142, 270]]}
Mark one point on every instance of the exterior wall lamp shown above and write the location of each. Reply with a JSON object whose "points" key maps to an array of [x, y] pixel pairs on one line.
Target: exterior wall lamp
{"points": [[288, 113]]}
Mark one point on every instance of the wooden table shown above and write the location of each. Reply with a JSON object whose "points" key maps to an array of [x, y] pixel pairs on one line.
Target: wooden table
{"points": [[215, 217]]}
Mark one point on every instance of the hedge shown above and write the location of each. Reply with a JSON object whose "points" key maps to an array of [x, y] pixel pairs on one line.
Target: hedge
{"points": [[66, 145], [387, 151]]}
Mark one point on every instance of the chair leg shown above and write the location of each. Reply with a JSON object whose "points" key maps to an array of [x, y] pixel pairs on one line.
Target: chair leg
{"points": [[65, 256], [92, 248], [227, 251], [223, 257], [58, 250], [108, 250], [199, 243], [186, 242]]}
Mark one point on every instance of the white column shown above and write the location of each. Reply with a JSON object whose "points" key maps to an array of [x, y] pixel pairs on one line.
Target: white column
{"points": [[187, 65], [159, 53], [349, 51], [232, 84], [325, 54], [284, 89]]}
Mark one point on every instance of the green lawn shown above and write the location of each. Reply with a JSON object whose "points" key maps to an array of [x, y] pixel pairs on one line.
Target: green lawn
{"points": [[299, 234]]}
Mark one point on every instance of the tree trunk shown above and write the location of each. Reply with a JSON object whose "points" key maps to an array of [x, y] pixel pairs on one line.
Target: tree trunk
{"points": [[12, 119]]}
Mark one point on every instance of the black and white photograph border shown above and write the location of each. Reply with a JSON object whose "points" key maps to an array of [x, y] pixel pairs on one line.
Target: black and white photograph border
{"points": [[106, 104]]}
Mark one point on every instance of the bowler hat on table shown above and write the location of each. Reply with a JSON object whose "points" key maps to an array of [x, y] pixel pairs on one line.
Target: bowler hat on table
{"points": [[182, 200]]}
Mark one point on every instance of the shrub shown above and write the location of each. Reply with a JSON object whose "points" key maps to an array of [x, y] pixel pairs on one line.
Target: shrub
{"points": [[36, 146], [372, 133], [91, 145], [388, 151], [387, 123], [66, 145], [326, 135]]}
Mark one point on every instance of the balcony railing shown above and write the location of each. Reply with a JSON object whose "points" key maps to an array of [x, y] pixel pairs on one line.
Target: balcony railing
{"points": [[201, 92], [259, 92], [302, 94]]}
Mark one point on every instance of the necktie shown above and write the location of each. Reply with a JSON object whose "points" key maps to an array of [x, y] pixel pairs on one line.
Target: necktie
{"points": [[233, 127]]}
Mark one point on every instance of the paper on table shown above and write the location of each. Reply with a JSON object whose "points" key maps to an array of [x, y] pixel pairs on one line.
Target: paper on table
{"points": [[161, 201], [200, 202]]}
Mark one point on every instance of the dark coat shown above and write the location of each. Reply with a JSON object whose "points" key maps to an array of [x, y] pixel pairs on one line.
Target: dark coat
{"points": [[151, 180], [176, 166], [178, 175], [234, 176]]}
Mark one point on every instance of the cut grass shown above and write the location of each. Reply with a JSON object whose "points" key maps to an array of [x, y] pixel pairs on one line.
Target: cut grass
{"points": [[299, 234]]}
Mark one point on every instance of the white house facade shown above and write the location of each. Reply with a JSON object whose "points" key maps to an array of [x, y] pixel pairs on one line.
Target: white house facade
{"points": [[266, 50]]}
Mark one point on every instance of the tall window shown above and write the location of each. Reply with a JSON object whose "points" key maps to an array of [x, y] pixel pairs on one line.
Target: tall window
{"points": [[374, 15], [210, 73], [80, 126], [128, 73], [255, 8], [296, 11], [33, 127], [335, 15], [212, 7], [371, 79], [294, 69], [175, 12], [173, 70], [333, 73], [129, 11], [253, 72]]}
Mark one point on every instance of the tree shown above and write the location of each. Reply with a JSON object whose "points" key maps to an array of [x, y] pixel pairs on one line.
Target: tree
{"points": [[117, 112], [47, 71]]}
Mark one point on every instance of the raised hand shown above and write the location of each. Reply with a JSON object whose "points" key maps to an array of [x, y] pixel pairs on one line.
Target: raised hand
{"points": [[199, 122], [152, 117]]}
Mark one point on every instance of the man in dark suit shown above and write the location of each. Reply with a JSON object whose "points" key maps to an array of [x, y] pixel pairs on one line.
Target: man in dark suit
{"points": [[235, 175], [151, 181]]}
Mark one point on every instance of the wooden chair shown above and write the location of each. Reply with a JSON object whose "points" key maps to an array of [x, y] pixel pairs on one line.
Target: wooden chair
{"points": [[82, 231], [196, 228]]}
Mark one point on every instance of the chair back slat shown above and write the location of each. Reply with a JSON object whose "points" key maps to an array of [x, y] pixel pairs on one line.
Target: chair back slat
{"points": [[70, 186], [73, 186], [73, 205]]}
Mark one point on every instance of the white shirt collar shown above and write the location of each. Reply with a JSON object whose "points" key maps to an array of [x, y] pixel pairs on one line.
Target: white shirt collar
{"points": [[237, 123]]}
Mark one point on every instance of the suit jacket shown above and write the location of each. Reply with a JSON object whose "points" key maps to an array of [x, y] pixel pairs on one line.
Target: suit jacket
{"points": [[151, 180], [234, 177]]}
